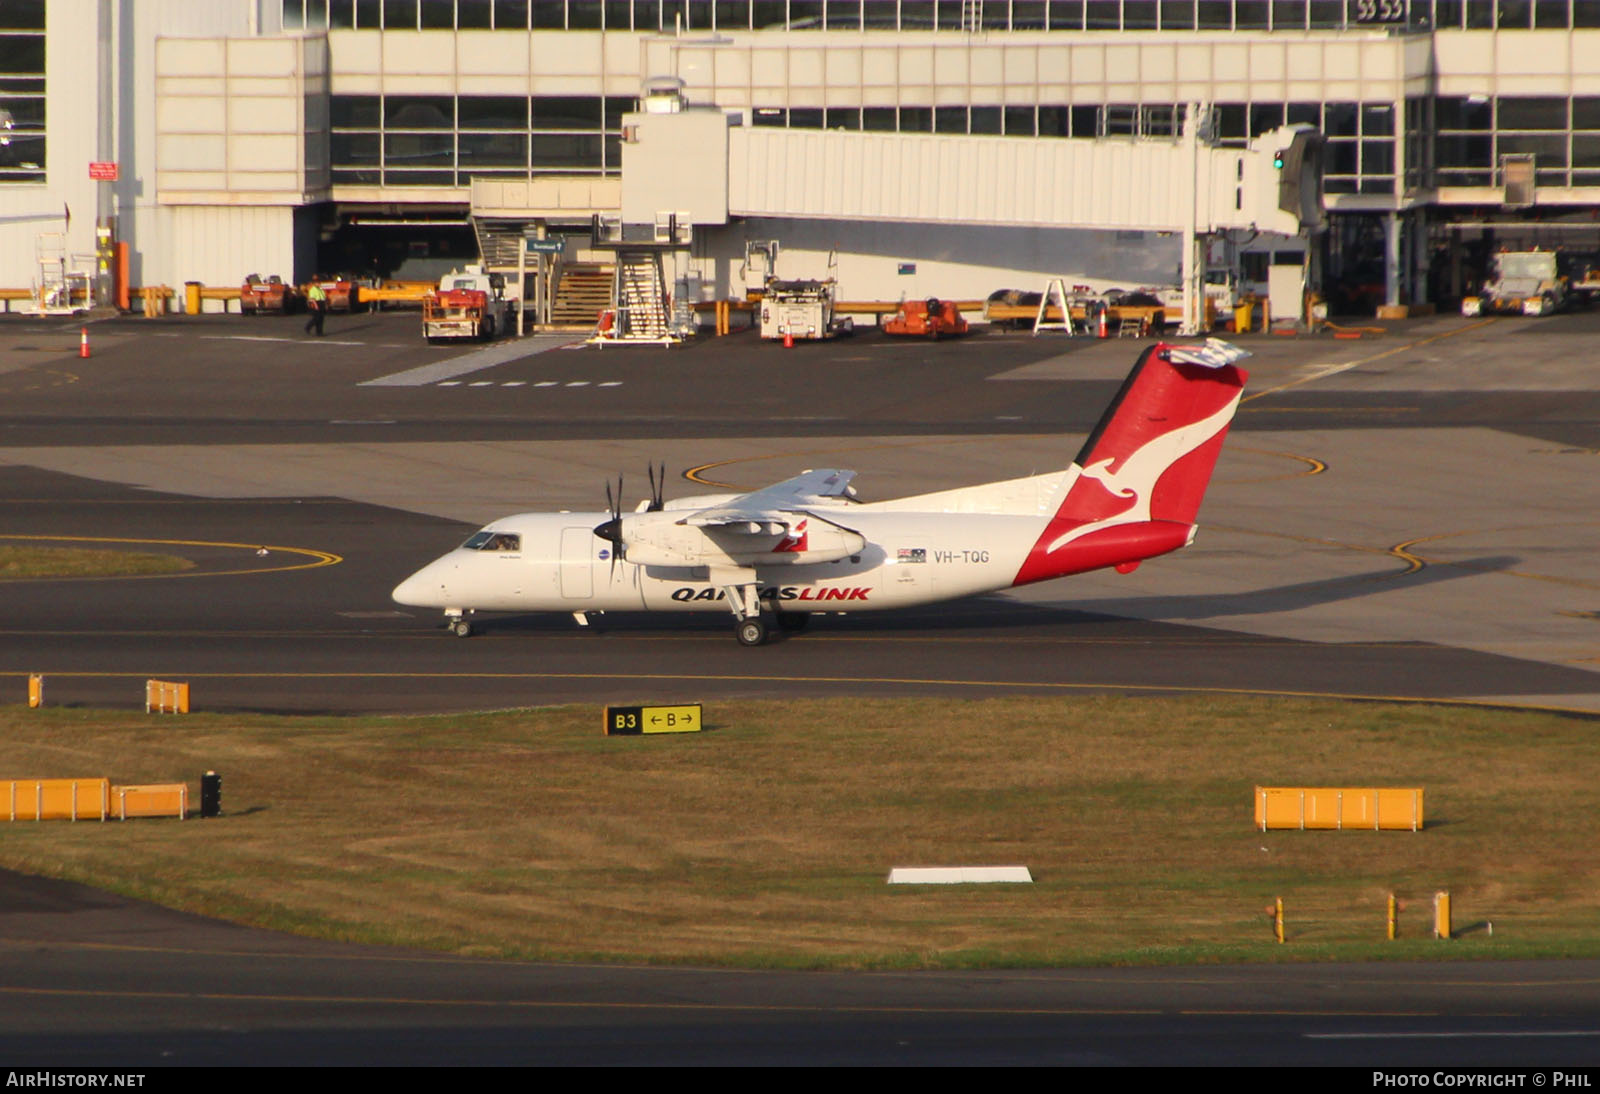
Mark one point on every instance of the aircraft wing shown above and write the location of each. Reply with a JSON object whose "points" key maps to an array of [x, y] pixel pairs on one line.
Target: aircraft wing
{"points": [[773, 504]]}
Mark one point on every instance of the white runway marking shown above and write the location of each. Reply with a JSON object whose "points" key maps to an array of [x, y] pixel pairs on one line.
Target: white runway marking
{"points": [[487, 357]]}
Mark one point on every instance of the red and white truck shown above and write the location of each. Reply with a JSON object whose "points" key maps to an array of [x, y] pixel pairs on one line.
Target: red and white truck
{"points": [[468, 304]]}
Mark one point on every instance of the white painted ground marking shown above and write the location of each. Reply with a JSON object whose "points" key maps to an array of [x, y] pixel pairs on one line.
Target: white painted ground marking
{"points": [[273, 338], [487, 357]]}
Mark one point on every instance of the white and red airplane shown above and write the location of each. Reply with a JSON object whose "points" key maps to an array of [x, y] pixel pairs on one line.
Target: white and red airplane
{"points": [[807, 545]]}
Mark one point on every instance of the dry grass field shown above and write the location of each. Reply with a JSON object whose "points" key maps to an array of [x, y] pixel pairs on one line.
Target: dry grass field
{"points": [[767, 838]]}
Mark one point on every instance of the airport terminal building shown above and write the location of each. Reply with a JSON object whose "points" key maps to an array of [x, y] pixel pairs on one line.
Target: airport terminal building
{"points": [[391, 137]]}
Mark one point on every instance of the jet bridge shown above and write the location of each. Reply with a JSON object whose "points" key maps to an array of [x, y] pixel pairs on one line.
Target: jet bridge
{"points": [[711, 170]]}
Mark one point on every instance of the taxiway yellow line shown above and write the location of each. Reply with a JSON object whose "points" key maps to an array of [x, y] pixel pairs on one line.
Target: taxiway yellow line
{"points": [[322, 558]]}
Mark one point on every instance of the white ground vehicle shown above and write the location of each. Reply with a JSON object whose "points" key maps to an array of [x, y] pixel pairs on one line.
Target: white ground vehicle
{"points": [[801, 310], [1525, 283], [468, 304]]}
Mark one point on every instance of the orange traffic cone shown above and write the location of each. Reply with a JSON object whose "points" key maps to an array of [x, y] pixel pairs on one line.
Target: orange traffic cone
{"points": [[788, 340], [83, 341], [1104, 329]]}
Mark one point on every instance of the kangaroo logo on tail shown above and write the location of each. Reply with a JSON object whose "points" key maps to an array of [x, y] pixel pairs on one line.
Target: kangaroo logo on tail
{"points": [[1136, 486]]}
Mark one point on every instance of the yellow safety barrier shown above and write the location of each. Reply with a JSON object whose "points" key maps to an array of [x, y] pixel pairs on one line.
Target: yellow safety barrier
{"points": [[155, 300], [57, 799], [35, 691], [1441, 915], [166, 697], [1306, 807], [155, 800]]}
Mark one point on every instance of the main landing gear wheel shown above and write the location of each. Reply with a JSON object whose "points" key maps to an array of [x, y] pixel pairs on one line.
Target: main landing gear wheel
{"points": [[750, 632], [460, 628], [793, 622]]}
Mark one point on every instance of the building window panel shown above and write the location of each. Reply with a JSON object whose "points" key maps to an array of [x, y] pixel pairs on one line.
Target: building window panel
{"points": [[1140, 14], [1586, 14], [567, 151], [805, 14], [419, 178], [1586, 151], [1288, 15], [805, 118], [1464, 151], [1265, 116], [354, 149], [1585, 112], [1102, 15], [419, 149], [1066, 14], [1550, 151], [22, 15], [917, 15], [733, 15], [1305, 114], [1532, 113], [1341, 119], [548, 15], [1472, 113], [587, 15], [1056, 121], [493, 149], [1341, 157], [1480, 14], [475, 14], [1028, 15], [355, 111], [879, 119], [616, 108], [492, 112], [1251, 14], [22, 54], [916, 119], [437, 14], [843, 118], [1177, 14], [1326, 14], [647, 15], [843, 14], [419, 112], [1552, 14], [950, 119], [369, 14], [773, 116], [1377, 157], [1377, 119], [1515, 14], [567, 112], [400, 14], [1019, 121], [985, 120]]}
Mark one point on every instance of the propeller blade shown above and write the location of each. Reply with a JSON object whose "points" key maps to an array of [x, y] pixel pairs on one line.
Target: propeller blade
{"points": [[658, 488]]}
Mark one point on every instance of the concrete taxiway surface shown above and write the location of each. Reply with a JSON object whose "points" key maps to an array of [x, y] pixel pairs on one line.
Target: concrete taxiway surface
{"points": [[1409, 515], [1432, 489]]}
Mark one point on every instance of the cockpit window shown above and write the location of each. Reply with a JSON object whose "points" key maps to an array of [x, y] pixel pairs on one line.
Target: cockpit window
{"points": [[494, 541]]}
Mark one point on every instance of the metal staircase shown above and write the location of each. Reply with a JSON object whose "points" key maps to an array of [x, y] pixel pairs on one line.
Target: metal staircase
{"points": [[641, 296]]}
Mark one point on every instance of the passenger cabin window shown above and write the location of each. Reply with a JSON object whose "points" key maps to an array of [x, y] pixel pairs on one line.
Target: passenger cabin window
{"points": [[494, 541]]}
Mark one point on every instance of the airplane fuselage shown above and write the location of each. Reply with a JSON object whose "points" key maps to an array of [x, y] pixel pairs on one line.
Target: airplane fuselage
{"points": [[560, 565]]}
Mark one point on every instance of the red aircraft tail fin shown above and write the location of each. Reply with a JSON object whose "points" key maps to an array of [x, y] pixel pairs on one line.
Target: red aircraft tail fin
{"points": [[1145, 467]]}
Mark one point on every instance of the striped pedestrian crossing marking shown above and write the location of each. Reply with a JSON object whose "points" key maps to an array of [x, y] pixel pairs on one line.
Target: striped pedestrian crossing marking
{"points": [[526, 383]]}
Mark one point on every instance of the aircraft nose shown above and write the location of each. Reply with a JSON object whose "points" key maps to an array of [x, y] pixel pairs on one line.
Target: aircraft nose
{"points": [[422, 589]]}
